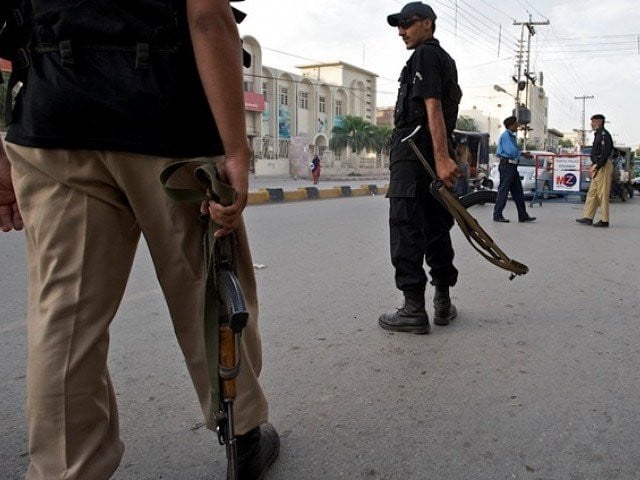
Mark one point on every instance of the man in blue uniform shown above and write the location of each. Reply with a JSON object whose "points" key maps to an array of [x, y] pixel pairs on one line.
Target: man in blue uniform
{"points": [[509, 155], [419, 225]]}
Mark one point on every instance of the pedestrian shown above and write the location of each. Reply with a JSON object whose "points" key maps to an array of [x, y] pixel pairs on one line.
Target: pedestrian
{"points": [[92, 129], [419, 225], [315, 169], [509, 155], [601, 172], [463, 154]]}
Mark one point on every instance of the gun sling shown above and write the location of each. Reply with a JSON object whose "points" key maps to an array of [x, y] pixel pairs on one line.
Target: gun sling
{"points": [[480, 240], [221, 283]]}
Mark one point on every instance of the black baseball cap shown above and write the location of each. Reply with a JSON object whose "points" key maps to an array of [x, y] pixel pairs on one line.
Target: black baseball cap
{"points": [[598, 116], [413, 9]]}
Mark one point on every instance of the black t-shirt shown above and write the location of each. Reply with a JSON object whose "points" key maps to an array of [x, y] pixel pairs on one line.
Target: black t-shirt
{"points": [[429, 73], [435, 76], [107, 99]]}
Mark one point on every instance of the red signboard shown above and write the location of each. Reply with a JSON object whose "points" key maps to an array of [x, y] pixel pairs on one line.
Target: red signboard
{"points": [[254, 102], [5, 65]]}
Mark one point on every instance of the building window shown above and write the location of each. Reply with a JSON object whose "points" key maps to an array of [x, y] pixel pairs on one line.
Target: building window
{"points": [[304, 100], [322, 104], [247, 85], [265, 90], [284, 96], [338, 107]]}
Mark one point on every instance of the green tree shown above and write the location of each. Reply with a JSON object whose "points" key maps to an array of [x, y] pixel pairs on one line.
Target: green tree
{"points": [[353, 133], [467, 124], [381, 135], [565, 143]]}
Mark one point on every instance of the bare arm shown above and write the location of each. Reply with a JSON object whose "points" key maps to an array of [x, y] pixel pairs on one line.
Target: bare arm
{"points": [[218, 53], [9, 214], [446, 167]]}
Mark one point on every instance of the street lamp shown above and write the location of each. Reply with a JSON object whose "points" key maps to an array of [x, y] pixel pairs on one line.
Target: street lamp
{"points": [[498, 88]]}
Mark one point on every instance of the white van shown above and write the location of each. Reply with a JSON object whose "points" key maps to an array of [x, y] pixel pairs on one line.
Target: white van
{"points": [[527, 171]]}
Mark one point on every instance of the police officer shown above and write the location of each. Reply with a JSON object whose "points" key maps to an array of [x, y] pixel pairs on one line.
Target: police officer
{"points": [[419, 226], [132, 87], [601, 170], [509, 155]]}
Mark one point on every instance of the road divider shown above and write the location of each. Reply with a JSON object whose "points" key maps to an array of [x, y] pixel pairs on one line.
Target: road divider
{"points": [[279, 195]]}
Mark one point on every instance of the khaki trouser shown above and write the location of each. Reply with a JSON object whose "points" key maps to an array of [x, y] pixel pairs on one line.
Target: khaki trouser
{"points": [[84, 212], [598, 194]]}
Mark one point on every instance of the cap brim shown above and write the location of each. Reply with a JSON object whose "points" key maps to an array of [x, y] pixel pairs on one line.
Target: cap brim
{"points": [[393, 19]]}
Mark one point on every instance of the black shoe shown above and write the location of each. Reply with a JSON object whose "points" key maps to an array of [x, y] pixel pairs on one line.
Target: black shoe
{"points": [[601, 224], [444, 310], [257, 450], [528, 219], [584, 221], [501, 220], [406, 321]]}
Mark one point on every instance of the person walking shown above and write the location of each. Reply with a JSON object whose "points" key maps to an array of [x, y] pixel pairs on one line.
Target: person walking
{"points": [[315, 169], [601, 172], [114, 92], [419, 225], [509, 155]]}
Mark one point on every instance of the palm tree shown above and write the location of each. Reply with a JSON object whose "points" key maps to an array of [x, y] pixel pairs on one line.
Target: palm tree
{"points": [[354, 133], [381, 135]]}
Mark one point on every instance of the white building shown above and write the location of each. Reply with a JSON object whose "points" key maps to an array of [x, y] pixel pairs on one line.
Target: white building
{"points": [[290, 116]]}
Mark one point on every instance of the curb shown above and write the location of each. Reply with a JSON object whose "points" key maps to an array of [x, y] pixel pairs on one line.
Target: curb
{"points": [[279, 195]]}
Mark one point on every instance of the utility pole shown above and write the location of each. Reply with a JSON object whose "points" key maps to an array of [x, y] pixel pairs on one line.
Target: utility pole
{"points": [[583, 132], [529, 77]]}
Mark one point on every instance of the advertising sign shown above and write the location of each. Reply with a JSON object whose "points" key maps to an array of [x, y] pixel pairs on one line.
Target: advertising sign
{"points": [[566, 174]]}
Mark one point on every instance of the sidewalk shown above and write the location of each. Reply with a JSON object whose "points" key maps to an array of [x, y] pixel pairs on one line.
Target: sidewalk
{"points": [[279, 189]]}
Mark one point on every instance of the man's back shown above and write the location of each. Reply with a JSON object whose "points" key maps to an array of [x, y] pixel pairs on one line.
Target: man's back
{"points": [[113, 76]]}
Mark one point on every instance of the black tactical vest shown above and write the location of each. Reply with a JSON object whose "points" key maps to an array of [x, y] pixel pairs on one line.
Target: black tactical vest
{"points": [[113, 75]]}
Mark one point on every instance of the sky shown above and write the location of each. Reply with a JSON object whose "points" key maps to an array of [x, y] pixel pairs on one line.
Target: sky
{"points": [[589, 48]]}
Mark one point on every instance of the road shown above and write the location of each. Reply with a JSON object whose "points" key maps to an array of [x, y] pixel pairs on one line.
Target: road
{"points": [[537, 379]]}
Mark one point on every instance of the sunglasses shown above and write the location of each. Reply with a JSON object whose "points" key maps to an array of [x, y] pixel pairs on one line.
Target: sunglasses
{"points": [[405, 23]]}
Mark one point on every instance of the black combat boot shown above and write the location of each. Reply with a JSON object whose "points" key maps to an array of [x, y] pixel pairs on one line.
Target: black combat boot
{"points": [[257, 450], [412, 317], [444, 310]]}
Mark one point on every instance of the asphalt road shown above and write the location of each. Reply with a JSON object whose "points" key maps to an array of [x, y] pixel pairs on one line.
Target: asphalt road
{"points": [[537, 379]]}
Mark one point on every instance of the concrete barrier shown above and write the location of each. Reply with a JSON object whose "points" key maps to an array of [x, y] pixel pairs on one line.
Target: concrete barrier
{"points": [[258, 197], [278, 195]]}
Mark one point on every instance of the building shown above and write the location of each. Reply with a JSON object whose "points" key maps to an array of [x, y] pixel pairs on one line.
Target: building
{"points": [[290, 116], [538, 104], [553, 139]]}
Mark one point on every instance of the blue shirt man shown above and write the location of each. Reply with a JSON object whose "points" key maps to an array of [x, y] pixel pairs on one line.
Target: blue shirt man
{"points": [[509, 155], [508, 146]]}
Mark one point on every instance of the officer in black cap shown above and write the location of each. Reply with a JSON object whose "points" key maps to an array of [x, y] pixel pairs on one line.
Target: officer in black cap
{"points": [[601, 171], [419, 226]]}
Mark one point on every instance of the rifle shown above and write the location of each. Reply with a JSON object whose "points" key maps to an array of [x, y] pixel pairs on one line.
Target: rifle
{"points": [[233, 317], [476, 236], [225, 311]]}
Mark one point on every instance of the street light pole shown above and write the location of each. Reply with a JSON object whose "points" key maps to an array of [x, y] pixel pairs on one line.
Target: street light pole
{"points": [[583, 132]]}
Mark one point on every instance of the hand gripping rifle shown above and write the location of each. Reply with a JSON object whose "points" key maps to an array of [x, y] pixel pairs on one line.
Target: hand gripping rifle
{"points": [[225, 311], [475, 235]]}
